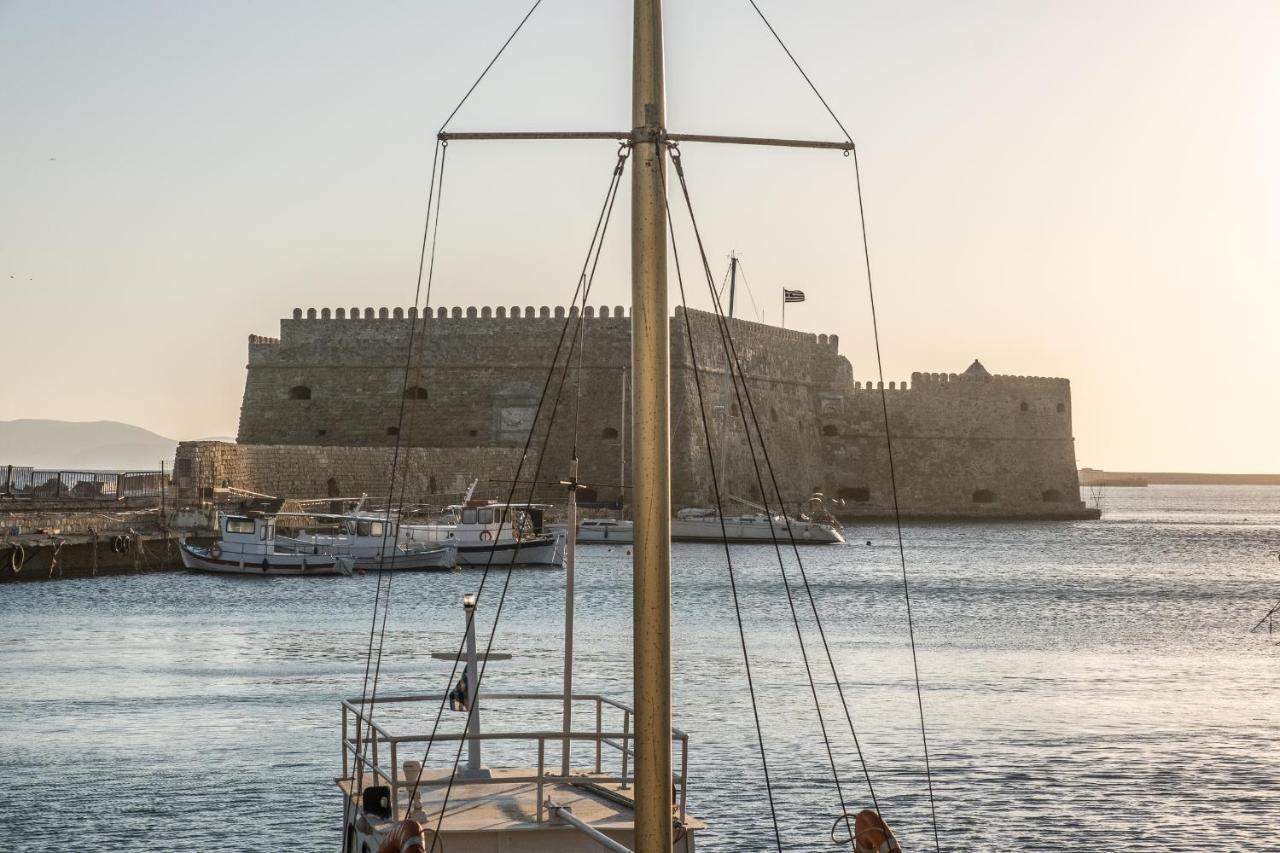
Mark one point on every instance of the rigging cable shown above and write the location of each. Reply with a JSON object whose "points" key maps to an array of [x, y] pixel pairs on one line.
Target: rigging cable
{"points": [[741, 391], [597, 237], [365, 699], [884, 405], [724, 536], [601, 229], [492, 62]]}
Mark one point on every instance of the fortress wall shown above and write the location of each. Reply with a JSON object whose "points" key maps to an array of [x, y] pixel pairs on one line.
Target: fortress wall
{"points": [[789, 374], [482, 371], [955, 438], [310, 472]]}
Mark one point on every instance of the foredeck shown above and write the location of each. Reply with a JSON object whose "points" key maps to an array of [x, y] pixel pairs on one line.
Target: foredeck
{"points": [[475, 807]]}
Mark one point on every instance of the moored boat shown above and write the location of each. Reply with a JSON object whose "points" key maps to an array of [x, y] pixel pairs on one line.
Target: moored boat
{"points": [[491, 533], [246, 545], [371, 539]]}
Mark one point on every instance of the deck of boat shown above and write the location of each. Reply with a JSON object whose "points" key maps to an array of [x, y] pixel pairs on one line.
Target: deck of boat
{"points": [[481, 811]]}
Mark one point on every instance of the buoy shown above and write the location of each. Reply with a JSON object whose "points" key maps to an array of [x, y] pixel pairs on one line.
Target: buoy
{"points": [[215, 550], [406, 836]]}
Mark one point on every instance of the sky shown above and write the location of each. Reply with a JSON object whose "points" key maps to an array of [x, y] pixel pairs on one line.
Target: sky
{"points": [[1087, 189]]}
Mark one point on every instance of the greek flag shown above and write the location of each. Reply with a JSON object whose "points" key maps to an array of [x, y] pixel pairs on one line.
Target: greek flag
{"points": [[792, 295], [458, 698]]}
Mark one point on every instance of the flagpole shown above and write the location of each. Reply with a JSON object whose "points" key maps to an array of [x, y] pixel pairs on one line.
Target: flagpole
{"points": [[784, 307]]}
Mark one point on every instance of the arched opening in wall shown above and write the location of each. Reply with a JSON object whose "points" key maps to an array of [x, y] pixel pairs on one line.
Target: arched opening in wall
{"points": [[984, 496], [608, 432], [473, 433], [1051, 496], [1062, 407], [1023, 406], [332, 487], [321, 433], [773, 414], [734, 411], [857, 494], [299, 392], [395, 430], [755, 491], [415, 392], [830, 429], [432, 488]]}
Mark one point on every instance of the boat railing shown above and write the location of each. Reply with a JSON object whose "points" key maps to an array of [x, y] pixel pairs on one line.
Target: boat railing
{"points": [[365, 744]]}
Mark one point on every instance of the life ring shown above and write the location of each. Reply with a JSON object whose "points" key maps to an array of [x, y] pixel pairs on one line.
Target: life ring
{"points": [[17, 557], [872, 835], [406, 836], [485, 536], [215, 551], [119, 544]]}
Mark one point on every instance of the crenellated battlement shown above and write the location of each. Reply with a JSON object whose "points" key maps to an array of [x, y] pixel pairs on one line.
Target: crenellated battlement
{"points": [[262, 340], [930, 381], [473, 312]]}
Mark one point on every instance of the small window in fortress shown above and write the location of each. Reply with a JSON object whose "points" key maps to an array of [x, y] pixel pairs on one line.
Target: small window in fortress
{"points": [[1062, 407], [830, 429], [472, 433], [984, 496], [608, 432], [858, 494], [432, 488], [395, 430], [1024, 406], [1051, 496], [415, 392], [299, 392], [773, 414], [321, 433]]}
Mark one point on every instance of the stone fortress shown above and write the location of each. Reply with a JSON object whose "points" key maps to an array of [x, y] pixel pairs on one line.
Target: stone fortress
{"points": [[322, 407]]}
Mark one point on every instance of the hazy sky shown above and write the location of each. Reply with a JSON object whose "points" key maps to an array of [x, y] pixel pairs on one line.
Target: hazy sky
{"points": [[1083, 189]]}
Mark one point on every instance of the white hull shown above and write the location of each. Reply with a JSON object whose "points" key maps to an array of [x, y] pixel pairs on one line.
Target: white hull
{"points": [[735, 531], [263, 565], [539, 551], [368, 557]]}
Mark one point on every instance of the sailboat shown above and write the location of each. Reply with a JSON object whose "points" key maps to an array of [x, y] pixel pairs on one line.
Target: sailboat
{"points": [[627, 796]]}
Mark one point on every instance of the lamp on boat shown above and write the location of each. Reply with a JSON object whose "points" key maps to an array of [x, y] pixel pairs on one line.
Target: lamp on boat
{"points": [[469, 601]]}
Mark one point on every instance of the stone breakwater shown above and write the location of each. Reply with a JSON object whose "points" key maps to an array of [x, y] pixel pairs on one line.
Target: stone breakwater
{"points": [[321, 416]]}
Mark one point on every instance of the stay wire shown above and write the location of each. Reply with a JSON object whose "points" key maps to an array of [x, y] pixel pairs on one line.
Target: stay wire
{"points": [[897, 511], [747, 407], [884, 406], [400, 423], [492, 62], [437, 162], [724, 535], [803, 73], [606, 206], [585, 289]]}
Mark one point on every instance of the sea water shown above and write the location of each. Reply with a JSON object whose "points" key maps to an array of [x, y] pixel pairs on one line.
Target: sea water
{"points": [[1086, 685]]}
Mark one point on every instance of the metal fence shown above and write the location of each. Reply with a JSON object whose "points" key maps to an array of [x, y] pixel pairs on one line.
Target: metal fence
{"points": [[32, 483]]}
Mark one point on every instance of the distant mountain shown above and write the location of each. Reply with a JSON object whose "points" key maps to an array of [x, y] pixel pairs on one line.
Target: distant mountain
{"points": [[83, 445]]}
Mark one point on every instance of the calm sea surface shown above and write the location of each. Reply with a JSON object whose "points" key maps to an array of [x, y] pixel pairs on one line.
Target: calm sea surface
{"points": [[1086, 685]]}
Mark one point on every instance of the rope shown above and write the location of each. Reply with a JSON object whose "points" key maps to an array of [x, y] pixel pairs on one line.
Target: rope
{"points": [[583, 285], [741, 391], [724, 536], [496, 56], [368, 697], [897, 512], [803, 74]]}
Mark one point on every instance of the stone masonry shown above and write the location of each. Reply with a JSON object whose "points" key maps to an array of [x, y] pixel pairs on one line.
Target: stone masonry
{"points": [[327, 402]]}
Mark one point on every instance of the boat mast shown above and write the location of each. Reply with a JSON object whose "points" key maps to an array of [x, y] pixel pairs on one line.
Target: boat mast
{"points": [[733, 280], [650, 436]]}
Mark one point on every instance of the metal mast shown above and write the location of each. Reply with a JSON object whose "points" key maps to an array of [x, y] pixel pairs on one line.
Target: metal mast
{"points": [[650, 436]]}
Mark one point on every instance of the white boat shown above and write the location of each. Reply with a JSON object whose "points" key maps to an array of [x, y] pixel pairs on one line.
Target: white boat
{"points": [[491, 533], [371, 539], [246, 545], [704, 525]]}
